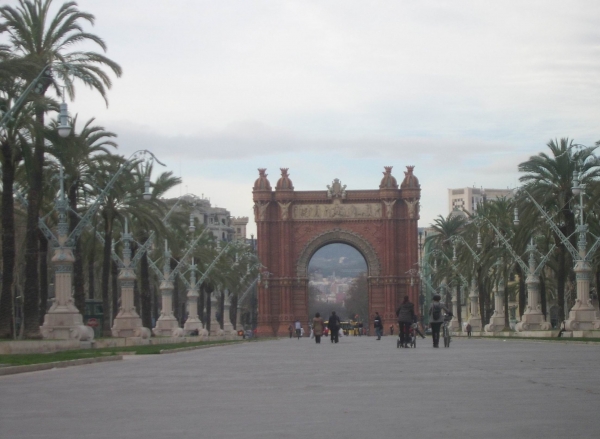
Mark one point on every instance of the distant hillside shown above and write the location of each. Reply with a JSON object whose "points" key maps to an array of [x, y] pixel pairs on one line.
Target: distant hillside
{"points": [[342, 259]]}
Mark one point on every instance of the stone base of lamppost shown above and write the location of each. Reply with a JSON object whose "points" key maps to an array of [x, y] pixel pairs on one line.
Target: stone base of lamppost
{"points": [[583, 318], [455, 324], [65, 323], [475, 322], [130, 325], [167, 326], [192, 324], [532, 321], [496, 323]]}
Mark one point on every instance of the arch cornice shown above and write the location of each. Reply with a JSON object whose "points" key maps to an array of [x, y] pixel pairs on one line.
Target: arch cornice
{"points": [[338, 236]]}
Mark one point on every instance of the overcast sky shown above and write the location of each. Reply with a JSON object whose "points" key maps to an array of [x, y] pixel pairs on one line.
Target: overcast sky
{"points": [[463, 90]]}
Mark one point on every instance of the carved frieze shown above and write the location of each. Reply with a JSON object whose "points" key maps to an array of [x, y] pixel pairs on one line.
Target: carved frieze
{"points": [[336, 211]]}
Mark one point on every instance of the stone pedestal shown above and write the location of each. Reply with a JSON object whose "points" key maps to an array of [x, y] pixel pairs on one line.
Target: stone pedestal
{"points": [[227, 325], [454, 323], [128, 323], [533, 319], [583, 316], [192, 323], [475, 318], [63, 321], [215, 328], [497, 320], [167, 324]]}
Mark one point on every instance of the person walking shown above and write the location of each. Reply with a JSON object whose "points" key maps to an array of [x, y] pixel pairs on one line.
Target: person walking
{"points": [[291, 330], [436, 318], [469, 329], [378, 325], [318, 326], [391, 329], [406, 317], [298, 326], [334, 327]]}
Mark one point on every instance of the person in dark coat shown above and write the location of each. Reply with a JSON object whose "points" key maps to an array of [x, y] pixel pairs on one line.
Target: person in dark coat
{"points": [[406, 317], [378, 325], [436, 318], [334, 327]]}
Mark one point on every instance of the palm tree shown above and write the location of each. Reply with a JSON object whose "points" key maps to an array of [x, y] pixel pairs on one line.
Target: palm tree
{"points": [[43, 39], [443, 230], [549, 180]]}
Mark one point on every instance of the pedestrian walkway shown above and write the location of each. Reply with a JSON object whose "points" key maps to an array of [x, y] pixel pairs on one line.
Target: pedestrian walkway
{"points": [[298, 389]]}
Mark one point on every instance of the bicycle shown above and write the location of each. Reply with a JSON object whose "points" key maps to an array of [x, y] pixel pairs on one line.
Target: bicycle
{"points": [[446, 333]]}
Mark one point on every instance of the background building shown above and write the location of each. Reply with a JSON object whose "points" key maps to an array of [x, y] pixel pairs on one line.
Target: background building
{"points": [[217, 219], [468, 198]]}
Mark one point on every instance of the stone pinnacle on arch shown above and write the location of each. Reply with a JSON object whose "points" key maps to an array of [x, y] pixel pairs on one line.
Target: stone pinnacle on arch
{"points": [[284, 183], [388, 181], [410, 180], [262, 182]]}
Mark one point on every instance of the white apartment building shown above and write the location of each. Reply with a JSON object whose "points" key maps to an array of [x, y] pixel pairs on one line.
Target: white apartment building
{"points": [[468, 198]]}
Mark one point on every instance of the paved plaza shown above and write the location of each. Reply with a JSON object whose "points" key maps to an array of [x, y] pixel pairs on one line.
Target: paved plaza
{"points": [[359, 388]]}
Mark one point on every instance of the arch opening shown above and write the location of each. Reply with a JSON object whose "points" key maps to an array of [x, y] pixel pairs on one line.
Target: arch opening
{"points": [[337, 274]]}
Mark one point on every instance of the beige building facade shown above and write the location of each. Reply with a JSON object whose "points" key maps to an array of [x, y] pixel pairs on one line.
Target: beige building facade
{"points": [[467, 198]]}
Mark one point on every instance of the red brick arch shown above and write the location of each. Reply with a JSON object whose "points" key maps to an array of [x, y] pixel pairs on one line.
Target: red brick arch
{"points": [[293, 225]]}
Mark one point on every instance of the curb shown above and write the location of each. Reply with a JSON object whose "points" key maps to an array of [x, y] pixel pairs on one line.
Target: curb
{"points": [[193, 348], [12, 370]]}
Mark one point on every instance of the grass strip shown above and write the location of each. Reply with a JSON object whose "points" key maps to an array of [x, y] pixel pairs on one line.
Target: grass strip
{"points": [[153, 349]]}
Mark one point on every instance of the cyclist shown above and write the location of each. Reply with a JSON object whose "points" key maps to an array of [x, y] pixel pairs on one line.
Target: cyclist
{"points": [[436, 318]]}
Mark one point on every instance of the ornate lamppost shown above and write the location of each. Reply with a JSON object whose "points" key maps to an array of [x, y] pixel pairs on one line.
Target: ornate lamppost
{"points": [[532, 319], [63, 320]]}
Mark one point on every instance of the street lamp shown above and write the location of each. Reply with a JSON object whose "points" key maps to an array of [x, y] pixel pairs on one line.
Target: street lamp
{"points": [[63, 320], [64, 127], [532, 318], [455, 324], [583, 314], [475, 319]]}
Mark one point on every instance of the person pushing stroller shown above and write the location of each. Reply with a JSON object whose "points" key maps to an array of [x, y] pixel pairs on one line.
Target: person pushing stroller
{"points": [[406, 317]]}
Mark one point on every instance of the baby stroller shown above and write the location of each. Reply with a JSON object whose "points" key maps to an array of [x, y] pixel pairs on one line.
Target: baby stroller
{"points": [[412, 337]]}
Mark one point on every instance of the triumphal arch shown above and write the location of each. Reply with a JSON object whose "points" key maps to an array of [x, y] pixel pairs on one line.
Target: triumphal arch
{"points": [[292, 225]]}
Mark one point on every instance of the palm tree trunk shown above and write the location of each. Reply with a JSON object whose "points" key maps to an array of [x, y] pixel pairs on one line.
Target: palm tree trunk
{"points": [[561, 278], [145, 294], [78, 279], [114, 278], [43, 275], [91, 272], [506, 316], [458, 306], [8, 241], [108, 220], [208, 311], [173, 264], [222, 309], [543, 296], [233, 310], [521, 290], [31, 292], [201, 302]]}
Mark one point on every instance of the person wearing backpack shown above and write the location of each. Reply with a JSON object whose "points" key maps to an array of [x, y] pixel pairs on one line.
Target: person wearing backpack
{"points": [[436, 318]]}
